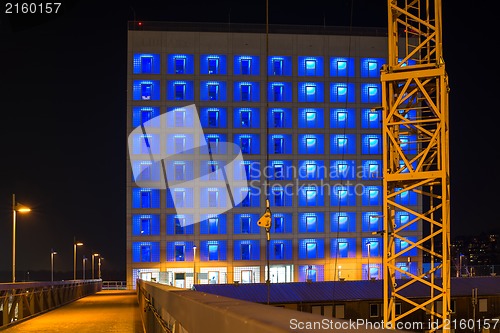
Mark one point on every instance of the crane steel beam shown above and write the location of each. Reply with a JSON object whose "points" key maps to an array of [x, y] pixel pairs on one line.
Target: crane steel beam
{"points": [[415, 161]]}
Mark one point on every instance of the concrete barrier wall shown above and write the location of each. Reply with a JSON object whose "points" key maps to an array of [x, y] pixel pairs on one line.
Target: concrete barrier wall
{"points": [[170, 309]]}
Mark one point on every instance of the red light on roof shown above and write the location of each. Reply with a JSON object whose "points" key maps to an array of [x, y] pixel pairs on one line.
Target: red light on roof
{"points": [[140, 23]]}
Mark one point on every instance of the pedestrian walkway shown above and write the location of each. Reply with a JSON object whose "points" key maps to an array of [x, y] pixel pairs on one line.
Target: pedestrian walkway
{"points": [[107, 311]]}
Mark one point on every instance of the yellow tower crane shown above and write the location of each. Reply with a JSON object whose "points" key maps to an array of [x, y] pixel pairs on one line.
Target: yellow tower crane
{"points": [[415, 161]]}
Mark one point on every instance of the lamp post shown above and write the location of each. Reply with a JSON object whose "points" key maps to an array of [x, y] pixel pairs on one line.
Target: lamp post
{"points": [[52, 253], [194, 264], [93, 265], [99, 266], [340, 272], [368, 245], [16, 207], [75, 244], [83, 262]]}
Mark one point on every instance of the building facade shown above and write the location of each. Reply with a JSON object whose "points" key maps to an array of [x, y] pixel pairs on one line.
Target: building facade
{"points": [[302, 109]]}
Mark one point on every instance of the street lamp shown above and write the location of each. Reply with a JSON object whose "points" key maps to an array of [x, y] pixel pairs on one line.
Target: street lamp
{"points": [[75, 244], [16, 207], [194, 264], [93, 265], [340, 272], [52, 252], [99, 265], [84, 260], [368, 245]]}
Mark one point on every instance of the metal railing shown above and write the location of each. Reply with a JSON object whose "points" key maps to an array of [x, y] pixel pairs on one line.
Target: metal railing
{"points": [[20, 301], [114, 285]]}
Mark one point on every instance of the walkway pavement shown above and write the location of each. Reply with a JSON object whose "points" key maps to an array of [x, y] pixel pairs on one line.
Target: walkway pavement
{"points": [[107, 311]]}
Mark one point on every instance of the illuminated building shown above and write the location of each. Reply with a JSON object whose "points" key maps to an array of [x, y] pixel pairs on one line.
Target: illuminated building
{"points": [[305, 115]]}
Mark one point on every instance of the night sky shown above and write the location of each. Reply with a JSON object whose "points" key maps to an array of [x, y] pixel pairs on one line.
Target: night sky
{"points": [[63, 119]]}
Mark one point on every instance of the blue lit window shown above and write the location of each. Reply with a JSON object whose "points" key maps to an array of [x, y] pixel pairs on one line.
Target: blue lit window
{"points": [[311, 171], [146, 226], [246, 91], [278, 145], [279, 171], [246, 118], [311, 223], [180, 144], [311, 197], [246, 251], [246, 198], [342, 93], [404, 219], [213, 118], [180, 65], [279, 197], [342, 119], [311, 250], [179, 91], [311, 146], [213, 168], [278, 93], [213, 92], [245, 171], [245, 225], [145, 199], [279, 251], [213, 65], [213, 252], [311, 117], [146, 115], [373, 221], [372, 69], [340, 66], [146, 65], [342, 196], [146, 91], [278, 119], [179, 198], [373, 196], [146, 143], [373, 94], [372, 248], [343, 249], [145, 253], [179, 225], [279, 224], [373, 146], [277, 67], [343, 222], [245, 145], [371, 118], [145, 171], [310, 67], [311, 274], [180, 252], [213, 225], [179, 117], [310, 93], [179, 171], [213, 145], [374, 171], [213, 198], [246, 66]]}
